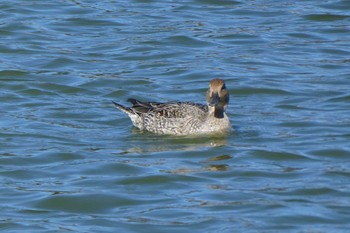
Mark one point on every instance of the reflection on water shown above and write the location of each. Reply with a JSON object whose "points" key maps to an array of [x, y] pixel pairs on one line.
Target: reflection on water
{"points": [[143, 142], [208, 166]]}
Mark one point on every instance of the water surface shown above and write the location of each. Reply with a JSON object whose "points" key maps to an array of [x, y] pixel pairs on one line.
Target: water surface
{"points": [[71, 162]]}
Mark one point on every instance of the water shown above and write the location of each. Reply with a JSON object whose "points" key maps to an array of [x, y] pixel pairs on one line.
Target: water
{"points": [[70, 162]]}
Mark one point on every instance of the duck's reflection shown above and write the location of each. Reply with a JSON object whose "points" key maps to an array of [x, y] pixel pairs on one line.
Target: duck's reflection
{"points": [[208, 167], [146, 143]]}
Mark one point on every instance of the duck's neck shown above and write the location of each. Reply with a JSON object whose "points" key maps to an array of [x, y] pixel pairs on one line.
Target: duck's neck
{"points": [[219, 112]]}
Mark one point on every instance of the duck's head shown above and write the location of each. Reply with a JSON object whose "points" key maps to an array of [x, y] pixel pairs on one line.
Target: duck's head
{"points": [[217, 97]]}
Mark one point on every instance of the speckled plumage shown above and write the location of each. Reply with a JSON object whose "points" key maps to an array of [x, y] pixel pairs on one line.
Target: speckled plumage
{"points": [[183, 118]]}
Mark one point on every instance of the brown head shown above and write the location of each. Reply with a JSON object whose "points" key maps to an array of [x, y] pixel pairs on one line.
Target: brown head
{"points": [[218, 97]]}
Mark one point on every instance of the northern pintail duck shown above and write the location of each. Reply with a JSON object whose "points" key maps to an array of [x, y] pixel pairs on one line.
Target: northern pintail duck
{"points": [[183, 118]]}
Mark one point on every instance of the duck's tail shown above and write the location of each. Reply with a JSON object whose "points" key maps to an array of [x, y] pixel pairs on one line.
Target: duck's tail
{"points": [[123, 108]]}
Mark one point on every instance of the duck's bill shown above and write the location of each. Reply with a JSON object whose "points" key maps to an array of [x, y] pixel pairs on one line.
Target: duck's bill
{"points": [[214, 99]]}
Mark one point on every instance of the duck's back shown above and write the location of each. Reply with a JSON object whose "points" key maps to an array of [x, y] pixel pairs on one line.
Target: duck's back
{"points": [[179, 118]]}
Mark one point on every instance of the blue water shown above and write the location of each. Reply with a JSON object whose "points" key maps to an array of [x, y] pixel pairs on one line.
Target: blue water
{"points": [[71, 162]]}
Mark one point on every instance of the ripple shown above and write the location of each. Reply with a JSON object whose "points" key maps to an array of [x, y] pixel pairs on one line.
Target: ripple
{"points": [[331, 153], [279, 155], [341, 98], [326, 17], [80, 203], [257, 91]]}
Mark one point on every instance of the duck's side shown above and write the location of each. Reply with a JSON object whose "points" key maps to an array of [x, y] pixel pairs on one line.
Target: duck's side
{"points": [[175, 118]]}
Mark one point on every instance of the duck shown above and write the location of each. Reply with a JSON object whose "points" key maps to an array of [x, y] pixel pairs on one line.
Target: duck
{"points": [[183, 118]]}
